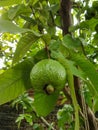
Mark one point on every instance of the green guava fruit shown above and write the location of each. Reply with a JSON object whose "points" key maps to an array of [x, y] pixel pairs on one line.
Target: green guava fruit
{"points": [[48, 78], [48, 72]]}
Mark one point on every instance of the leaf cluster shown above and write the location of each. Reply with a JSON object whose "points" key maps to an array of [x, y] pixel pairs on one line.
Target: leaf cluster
{"points": [[32, 31]]}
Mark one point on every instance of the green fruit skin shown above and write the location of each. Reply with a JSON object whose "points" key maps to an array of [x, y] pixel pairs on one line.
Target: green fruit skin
{"points": [[47, 72]]}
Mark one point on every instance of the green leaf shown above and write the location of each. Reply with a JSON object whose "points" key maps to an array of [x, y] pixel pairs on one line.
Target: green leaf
{"points": [[54, 1], [64, 115], [9, 2], [28, 19], [33, 2], [41, 54], [54, 45], [95, 40], [44, 103], [92, 23], [95, 105], [76, 71], [70, 42], [88, 68], [46, 38], [8, 26], [24, 45], [17, 10], [88, 24], [15, 81]]}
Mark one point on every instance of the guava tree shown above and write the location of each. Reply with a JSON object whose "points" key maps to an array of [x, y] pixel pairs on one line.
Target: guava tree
{"points": [[50, 46]]}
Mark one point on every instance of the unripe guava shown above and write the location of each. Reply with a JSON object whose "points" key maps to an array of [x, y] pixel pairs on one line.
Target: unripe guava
{"points": [[48, 76]]}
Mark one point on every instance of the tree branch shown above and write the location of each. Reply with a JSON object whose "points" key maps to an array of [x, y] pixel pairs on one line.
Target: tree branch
{"points": [[65, 13]]}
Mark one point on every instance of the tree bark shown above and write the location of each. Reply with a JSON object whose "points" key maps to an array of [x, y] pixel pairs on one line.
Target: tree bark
{"points": [[65, 12]]}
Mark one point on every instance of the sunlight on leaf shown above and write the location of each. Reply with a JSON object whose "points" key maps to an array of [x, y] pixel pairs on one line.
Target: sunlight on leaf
{"points": [[23, 46], [9, 2], [8, 26], [15, 81]]}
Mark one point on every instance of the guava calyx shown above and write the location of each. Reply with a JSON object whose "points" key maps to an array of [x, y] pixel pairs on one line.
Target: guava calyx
{"points": [[49, 89]]}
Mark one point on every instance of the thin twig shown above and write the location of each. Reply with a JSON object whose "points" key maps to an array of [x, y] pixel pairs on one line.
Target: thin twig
{"points": [[43, 119]]}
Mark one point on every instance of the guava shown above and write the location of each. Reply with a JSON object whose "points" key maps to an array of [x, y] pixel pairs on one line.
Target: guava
{"points": [[48, 73], [48, 77]]}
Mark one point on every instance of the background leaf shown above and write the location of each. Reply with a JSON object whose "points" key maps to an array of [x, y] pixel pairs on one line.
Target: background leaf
{"points": [[7, 26], [18, 10], [70, 42], [88, 68], [9, 2], [77, 72], [24, 45], [15, 81]]}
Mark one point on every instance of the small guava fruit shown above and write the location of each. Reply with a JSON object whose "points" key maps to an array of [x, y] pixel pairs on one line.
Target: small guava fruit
{"points": [[48, 72], [48, 78]]}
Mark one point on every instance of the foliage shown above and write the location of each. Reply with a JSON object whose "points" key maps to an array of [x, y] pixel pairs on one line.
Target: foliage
{"points": [[25, 103], [31, 31], [65, 116], [15, 81]]}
